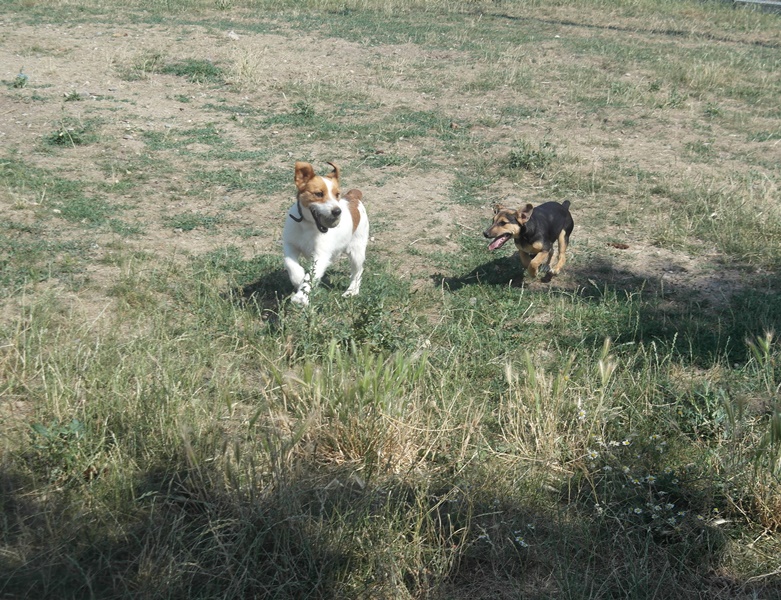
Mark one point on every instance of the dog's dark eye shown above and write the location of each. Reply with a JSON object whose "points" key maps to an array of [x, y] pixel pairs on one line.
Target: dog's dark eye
{"points": [[503, 223], [338, 195], [318, 194]]}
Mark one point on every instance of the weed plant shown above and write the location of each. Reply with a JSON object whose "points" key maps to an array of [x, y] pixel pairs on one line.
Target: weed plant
{"points": [[20, 80], [531, 159], [73, 132]]}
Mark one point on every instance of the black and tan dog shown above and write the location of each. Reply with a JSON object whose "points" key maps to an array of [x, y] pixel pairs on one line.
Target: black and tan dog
{"points": [[534, 231]]}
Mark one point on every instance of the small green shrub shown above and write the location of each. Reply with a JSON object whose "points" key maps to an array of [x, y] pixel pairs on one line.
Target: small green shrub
{"points": [[21, 80], [73, 132], [529, 158], [56, 447]]}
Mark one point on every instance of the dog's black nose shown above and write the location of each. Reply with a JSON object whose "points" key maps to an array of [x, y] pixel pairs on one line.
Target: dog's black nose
{"points": [[336, 212]]}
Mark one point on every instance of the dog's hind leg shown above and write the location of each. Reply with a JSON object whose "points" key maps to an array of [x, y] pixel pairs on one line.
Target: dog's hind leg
{"points": [[562, 259], [357, 255]]}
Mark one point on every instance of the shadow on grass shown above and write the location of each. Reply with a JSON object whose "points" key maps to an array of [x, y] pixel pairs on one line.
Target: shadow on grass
{"points": [[498, 272], [670, 32], [180, 537], [189, 533], [705, 320], [269, 289], [265, 294]]}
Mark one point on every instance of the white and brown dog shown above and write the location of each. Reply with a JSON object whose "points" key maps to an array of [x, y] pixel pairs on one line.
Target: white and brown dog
{"points": [[321, 226]]}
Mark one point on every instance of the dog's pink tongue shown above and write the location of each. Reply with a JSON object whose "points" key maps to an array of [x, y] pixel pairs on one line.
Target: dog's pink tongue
{"points": [[498, 242]]}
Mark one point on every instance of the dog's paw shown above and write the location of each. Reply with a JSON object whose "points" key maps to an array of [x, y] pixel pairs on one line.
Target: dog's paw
{"points": [[350, 293], [300, 298]]}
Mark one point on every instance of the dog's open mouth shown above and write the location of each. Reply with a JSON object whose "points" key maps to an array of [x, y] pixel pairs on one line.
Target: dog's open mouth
{"points": [[320, 227], [499, 241]]}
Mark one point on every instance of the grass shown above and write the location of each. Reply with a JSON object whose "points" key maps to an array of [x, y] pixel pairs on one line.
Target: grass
{"points": [[195, 70], [530, 158], [188, 221], [71, 133], [220, 440], [174, 428]]}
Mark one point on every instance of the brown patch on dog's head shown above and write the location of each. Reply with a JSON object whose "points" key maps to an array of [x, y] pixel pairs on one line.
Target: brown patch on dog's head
{"points": [[507, 224], [313, 188], [320, 194], [354, 196], [304, 173]]}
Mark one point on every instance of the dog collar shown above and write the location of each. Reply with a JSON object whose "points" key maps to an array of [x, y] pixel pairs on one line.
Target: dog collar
{"points": [[300, 218]]}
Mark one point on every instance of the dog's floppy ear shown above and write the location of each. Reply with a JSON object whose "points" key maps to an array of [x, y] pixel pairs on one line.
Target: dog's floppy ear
{"points": [[497, 208], [335, 173], [304, 172], [525, 214]]}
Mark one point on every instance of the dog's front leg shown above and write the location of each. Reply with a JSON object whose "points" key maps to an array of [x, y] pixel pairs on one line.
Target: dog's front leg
{"points": [[318, 269], [298, 277], [526, 260], [535, 263]]}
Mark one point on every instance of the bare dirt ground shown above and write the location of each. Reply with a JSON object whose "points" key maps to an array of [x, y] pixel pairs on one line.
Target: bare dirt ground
{"points": [[79, 73]]}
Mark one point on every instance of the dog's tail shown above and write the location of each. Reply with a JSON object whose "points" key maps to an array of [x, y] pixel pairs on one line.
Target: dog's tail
{"points": [[565, 204]]}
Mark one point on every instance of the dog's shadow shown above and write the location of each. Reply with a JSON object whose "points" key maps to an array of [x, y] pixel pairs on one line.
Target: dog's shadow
{"points": [[266, 294], [506, 271]]}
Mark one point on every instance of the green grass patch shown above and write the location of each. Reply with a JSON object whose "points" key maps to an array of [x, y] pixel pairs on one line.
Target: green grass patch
{"points": [[529, 158], [20, 80], [73, 132], [195, 70], [765, 136], [701, 213], [374, 382], [209, 135], [124, 228], [27, 260], [31, 182], [187, 221], [86, 210]]}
